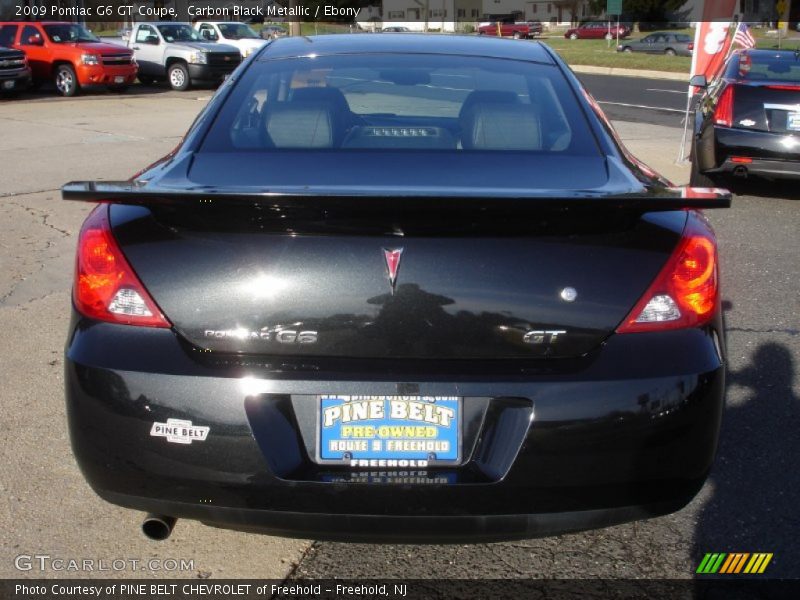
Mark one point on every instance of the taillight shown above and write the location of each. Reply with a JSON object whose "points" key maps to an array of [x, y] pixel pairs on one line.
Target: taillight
{"points": [[690, 46], [723, 115], [686, 291], [106, 287], [786, 87]]}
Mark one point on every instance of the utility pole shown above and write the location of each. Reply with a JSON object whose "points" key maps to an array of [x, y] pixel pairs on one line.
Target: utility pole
{"points": [[294, 24]]}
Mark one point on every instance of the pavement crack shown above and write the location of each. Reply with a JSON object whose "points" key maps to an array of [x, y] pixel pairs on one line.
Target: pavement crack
{"points": [[311, 547], [81, 129], [787, 330], [12, 194], [35, 212], [4, 298]]}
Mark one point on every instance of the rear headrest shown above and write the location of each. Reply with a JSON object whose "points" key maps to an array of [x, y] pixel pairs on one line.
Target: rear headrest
{"points": [[501, 127], [323, 95], [300, 125], [487, 97]]}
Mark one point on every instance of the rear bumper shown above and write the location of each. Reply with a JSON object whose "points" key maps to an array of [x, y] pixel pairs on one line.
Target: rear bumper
{"points": [[396, 529], [627, 434], [775, 169], [775, 155]]}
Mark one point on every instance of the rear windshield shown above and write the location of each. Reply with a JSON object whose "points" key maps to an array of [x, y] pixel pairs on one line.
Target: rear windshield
{"points": [[178, 33], [237, 31], [391, 102], [776, 67]]}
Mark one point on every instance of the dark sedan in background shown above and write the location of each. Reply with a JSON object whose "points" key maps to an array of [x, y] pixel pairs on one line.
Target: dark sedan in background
{"points": [[748, 119], [397, 287], [672, 44], [272, 32]]}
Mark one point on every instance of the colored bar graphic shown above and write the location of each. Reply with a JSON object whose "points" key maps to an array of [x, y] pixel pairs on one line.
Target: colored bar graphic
{"points": [[733, 563], [703, 563]]}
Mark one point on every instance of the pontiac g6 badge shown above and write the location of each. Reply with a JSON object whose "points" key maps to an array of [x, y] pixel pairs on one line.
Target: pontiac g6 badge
{"points": [[179, 431], [392, 258]]}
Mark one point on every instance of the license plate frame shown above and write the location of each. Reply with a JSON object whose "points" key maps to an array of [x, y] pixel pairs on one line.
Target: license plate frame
{"points": [[448, 409]]}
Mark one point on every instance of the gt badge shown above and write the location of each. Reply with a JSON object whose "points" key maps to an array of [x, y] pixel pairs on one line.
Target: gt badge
{"points": [[392, 258], [542, 336], [179, 431]]}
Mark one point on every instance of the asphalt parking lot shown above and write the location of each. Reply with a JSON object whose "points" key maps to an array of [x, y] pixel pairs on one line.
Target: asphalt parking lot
{"points": [[749, 503]]}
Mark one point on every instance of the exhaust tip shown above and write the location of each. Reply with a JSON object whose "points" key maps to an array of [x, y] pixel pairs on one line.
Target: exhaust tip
{"points": [[740, 171], [158, 527]]}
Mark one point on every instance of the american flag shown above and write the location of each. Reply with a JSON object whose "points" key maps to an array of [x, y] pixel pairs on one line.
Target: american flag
{"points": [[743, 37]]}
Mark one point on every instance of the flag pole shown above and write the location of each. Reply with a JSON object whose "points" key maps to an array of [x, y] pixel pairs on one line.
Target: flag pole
{"points": [[731, 32], [697, 41]]}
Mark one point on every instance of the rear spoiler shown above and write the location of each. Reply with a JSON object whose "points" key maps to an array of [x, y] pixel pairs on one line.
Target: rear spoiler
{"points": [[664, 199]]}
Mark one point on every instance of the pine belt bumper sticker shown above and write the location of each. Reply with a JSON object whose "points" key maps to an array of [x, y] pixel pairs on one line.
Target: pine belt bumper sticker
{"points": [[179, 431]]}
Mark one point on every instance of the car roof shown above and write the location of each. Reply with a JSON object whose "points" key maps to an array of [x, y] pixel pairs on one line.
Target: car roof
{"points": [[360, 43], [783, 52]]}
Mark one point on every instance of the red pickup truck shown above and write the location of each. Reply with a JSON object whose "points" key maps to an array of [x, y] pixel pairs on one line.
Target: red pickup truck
{"points": [[70, 56], [518, 31]]}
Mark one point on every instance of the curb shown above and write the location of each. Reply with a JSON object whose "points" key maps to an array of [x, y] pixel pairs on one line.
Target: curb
{"points": [[620, 72]]}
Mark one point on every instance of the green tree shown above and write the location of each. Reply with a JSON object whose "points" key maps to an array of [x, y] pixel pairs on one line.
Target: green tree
{"points": [[640, 10]]}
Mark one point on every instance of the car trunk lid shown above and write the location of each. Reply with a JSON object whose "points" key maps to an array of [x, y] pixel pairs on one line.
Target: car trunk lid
{"points": [[773, 107], [255, 281]]}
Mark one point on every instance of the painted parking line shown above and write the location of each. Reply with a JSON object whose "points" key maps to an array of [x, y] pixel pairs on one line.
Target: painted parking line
{"points": [[643, 106], [683, 92]]}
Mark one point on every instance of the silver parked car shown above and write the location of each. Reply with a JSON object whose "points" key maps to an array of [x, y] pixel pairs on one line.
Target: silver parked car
{"points": [[660, 42]]}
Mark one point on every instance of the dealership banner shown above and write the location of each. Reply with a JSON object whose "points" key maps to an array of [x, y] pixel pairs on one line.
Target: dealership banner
{"points": [[713, 39]]}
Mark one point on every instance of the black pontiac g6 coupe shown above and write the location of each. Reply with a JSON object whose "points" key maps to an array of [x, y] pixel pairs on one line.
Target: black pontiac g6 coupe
{"points": [[397, 288]]}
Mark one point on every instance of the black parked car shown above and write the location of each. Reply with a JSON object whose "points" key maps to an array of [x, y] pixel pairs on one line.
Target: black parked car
{"points": [[748, 120], [397, 287], [15, 73]]}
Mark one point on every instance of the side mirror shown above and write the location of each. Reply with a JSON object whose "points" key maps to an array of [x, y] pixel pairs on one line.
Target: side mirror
{"points": [[36, 40], [152, 40], [699, 81]]}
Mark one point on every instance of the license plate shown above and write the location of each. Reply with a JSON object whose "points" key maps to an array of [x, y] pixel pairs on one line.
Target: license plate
{"points": [[119, 79], [793, 121], [8, 85], [389, 431]]}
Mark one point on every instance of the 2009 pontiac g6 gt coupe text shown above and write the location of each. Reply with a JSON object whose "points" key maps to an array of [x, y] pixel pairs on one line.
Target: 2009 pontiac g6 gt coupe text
{"points": [[397, 287]]}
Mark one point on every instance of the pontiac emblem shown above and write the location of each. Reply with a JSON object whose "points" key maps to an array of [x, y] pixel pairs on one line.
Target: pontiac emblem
{"points": [[392, 258]]}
